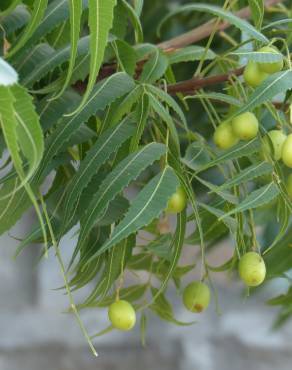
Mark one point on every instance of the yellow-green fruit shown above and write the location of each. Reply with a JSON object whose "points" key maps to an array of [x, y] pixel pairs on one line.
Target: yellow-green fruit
{"points": [[122, 315], [177, 201], [287, 151], [289, 185], [252, 269], [245, 126], [271, 67], [253, 75], [224, 136], [196, 296], [277, 138]]}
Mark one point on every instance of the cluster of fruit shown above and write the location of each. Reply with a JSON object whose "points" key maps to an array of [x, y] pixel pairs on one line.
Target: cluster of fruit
{"points": [[196, 295]]}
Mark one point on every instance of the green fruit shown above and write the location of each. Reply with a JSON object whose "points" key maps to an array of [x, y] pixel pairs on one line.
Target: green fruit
{"points": [[252, 269], [224, 136], [177, 201], [122, 315], [271, 67], [196, 296], [287, 151], [245, 126], [253, 75], [289, 185], [277, 137]]}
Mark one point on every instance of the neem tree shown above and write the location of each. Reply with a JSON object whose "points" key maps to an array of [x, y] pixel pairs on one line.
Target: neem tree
{"points": [[90, 104]]}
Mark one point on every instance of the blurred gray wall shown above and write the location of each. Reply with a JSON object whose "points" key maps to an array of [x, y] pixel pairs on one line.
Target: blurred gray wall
{"points": [[36, 335]]}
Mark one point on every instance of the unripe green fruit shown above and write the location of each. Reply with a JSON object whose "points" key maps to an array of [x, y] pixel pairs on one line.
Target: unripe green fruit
{"points": [[271, 67], [224, 136], [122, 315], [245, 126], [278, 138], [289, 185], [252, 269], [253, 75], [287, 151], [177, 201], [196, 296]]}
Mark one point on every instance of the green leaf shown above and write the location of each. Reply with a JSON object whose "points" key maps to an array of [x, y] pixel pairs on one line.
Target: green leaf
{"points": [[106, 144], [148, 205], [155, 67], [104, 93], [257, 12], [141, 115], [15, 20], [125, 172], [55, 59], [75, 22], [243, 149], [36, 17], [273, 85], [259, 56], [190, 54], [248, 174], [243, 25], [163, 309], [135, 21], [100, 22], [256, 199], [12, 5], [197, 156], [126, 56], [216, 97]]}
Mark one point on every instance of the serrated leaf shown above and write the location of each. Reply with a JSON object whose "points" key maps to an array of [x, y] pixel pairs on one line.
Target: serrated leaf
{"points": [[256, 199], [259, 56], [126, 56], [155, 67], [36, 17], [125, 172], [243, 149], [257, 12], [248, 174], [196, 156], [273, 85], [15, 20], [103, 94], [216, 97], [243, 25], [100, 21], [57, 58], [106, 144], [148, 204], [190, 54], [135, 21]]}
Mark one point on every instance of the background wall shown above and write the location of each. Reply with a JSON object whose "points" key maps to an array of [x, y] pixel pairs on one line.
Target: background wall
{"points": [[36, 335]]}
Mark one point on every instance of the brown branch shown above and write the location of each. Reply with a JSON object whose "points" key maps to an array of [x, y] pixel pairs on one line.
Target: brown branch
{"points": [[203, 31], [193, 84]]}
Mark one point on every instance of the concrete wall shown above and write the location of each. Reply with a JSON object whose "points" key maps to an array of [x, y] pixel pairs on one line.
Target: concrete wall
{"points": [[36, 335]]}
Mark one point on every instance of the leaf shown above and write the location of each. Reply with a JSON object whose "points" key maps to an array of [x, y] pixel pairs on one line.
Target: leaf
{"points": [[125, 172], [257, 12], [15, 20], [54, 60], [148, 204], [135, 21], [256, 199], [243, 25], [75, 21], [104, 93], [100, 22], [106, 144], [155, 67], [36, 17], [259, 56], [10, 7], [243, 149], [56, 13], [8, 76], [126, 56], [273, 85], [190, 54], [248, 174], [164, 310], [141, 115], [216, 97], [196, 156]]}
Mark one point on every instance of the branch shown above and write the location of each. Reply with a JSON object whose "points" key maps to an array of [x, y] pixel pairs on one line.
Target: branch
{"points": [[193, 84], [203, 31]]}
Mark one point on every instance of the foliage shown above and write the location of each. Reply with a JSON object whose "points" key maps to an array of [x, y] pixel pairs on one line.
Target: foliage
{"points": [[90, 106]]}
